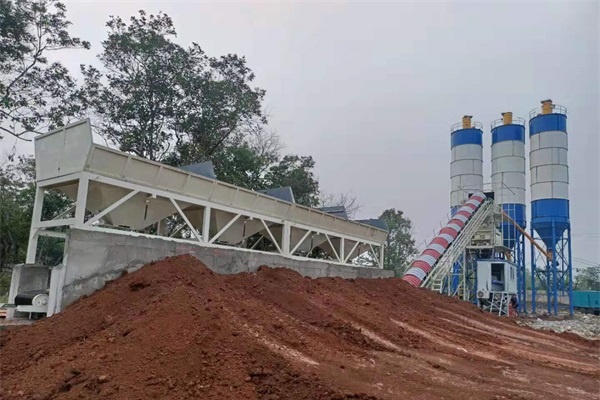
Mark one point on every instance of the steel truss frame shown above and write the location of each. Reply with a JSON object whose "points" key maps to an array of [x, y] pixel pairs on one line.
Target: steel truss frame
{"points": [[554, 275], [461, 279], [342, 246]]}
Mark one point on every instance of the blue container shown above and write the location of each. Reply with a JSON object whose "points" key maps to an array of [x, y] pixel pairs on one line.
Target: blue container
{"points": [[586, 299]]}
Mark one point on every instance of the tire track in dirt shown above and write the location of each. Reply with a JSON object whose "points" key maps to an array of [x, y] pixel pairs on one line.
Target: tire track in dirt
{"points": [[174, 329]]}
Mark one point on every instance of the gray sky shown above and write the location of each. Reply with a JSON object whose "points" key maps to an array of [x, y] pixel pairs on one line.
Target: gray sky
{"points": [[370, 89]]}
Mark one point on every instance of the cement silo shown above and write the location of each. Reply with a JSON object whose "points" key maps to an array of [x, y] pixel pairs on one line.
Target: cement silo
{"points": [[550, 220], [466, 168], [508, 185]]}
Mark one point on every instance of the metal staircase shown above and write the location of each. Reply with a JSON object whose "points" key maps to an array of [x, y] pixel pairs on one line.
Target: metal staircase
{"points": [[498, 303], [443, 268]]}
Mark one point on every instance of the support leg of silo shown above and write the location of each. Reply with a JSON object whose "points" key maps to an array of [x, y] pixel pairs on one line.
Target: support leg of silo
{"points": [[549, 285], [570, 269], [554, 271], [533, 280]]}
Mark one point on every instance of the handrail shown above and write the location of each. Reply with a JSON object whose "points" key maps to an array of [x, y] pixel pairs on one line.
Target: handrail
{"points": [[459, 125], [443, 265], [500, 122], [556, 109]]}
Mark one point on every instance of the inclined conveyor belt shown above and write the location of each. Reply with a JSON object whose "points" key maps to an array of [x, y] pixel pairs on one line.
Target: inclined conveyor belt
{"points": [[423, 265]]}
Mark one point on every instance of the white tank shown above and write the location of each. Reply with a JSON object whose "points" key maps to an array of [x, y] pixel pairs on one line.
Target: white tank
{"points": [[508, 172], [466, 168]]}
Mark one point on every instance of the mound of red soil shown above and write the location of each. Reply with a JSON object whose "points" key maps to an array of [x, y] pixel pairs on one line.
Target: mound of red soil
{"points": [[176, 330]]}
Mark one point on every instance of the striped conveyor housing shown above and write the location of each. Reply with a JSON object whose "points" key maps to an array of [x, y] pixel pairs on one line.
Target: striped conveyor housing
{"points": [[423, 265]]}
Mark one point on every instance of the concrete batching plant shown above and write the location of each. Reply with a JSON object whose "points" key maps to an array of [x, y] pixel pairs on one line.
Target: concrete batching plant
{"points": [[479, 255]]}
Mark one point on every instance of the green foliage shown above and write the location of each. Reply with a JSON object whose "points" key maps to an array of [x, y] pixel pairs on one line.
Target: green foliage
{"points": [[296, 172], [400, 244], [137, 93], [150, 97], [587, 278], [15, 215], [34, 93], [241, 166], [207, 111], [153, 96], [17, 193]]}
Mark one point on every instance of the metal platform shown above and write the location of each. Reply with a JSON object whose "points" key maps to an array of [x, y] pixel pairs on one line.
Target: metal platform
{"points": [[117, 192]]}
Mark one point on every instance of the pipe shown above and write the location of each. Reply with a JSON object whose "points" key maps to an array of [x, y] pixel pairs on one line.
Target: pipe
{"points": [[531, 239]]}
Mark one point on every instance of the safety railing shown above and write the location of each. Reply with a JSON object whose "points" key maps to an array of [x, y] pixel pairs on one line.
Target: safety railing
{"points": [[500, 121], [443, 267], [422, 245], [459, 126], [556, 109]]}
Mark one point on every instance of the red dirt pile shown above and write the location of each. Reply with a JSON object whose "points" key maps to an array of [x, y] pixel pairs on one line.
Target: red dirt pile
{"points": [[176, 330]]}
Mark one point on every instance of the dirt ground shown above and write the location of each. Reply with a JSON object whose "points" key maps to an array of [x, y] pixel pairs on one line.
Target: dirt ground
{"points": [[176, 330]]}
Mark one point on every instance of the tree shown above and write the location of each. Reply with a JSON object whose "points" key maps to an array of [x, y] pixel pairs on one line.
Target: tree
{"points": [[587, 278], [244, 162], [34, 93], [159, 100], [348, 201], [135, 96], [15, 218], [207, 111], [17, 192], [296, 172], [400, 244]]}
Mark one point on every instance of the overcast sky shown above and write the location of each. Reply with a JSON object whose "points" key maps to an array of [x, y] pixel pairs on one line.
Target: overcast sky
{"points": [[370, 89]]}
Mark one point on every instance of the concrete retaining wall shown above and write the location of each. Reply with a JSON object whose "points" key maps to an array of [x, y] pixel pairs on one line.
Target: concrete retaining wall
{"points": [[93, 258], [540, 297]]}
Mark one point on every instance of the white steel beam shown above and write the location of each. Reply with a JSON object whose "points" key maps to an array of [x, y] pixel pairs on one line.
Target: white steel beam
{"points": [[206, 224], [35, 220], [61, 179], [271, 236], [187, 221], [55, 222], [204, 203], [286, 238], [178, 197], [80, 203], [351, 251], [331, 233], [300, 242], [112, 207], [333, 248], [225, 228], [43, 232], [62, 214], [257, 242], [375, 255], [180, 227]]}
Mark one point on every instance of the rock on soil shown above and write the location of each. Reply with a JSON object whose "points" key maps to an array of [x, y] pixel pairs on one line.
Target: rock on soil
{"points": [[175, 330], [586, 325]]}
